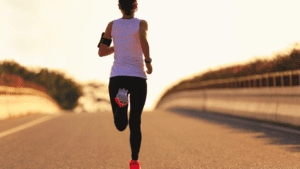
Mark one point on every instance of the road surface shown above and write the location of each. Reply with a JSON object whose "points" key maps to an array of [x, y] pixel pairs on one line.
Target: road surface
{"points": [[173, 139]]}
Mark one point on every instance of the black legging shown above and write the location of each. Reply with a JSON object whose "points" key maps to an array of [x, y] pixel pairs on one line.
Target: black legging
{"points": [[137, 88]]}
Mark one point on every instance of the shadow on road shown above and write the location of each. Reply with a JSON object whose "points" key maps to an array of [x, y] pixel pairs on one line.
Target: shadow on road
{"points": [[283, 136]]}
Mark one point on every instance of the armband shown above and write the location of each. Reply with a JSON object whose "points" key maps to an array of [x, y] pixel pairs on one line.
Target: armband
{"points": [[104, 41]]}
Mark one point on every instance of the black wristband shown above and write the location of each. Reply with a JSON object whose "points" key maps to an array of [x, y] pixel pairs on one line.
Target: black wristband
{"points": [[150, 60]]}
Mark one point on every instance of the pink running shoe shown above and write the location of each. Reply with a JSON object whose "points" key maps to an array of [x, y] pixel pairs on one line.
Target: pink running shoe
{"points": [[122, 99], [134, 165]]}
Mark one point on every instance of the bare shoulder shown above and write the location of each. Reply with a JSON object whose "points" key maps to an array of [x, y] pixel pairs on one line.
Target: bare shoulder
{"points": [[111, 24], [144, 25], [144, 21]]}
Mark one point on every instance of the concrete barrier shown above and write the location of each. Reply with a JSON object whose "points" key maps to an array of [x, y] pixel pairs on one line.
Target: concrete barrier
{"points": [[20, 101], [278, 104]]}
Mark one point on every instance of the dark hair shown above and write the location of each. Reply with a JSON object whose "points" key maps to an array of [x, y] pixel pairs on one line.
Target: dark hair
{"points": [[127, 6]]}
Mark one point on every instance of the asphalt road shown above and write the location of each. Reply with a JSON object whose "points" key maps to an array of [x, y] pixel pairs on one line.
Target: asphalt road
{"points": [[177, 139]]}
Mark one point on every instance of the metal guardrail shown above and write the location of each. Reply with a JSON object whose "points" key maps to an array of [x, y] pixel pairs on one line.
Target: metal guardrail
{"points": [[277, 79]]}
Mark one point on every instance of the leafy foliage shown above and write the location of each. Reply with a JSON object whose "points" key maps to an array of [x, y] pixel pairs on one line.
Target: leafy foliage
{"points": [[282, 62], [64, 91]]}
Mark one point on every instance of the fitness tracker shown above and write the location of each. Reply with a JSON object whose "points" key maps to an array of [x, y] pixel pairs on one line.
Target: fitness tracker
{"points": [[150, 60]]}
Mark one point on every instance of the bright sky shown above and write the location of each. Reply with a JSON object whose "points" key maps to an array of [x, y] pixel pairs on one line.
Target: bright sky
{"points": [[185, 37]]}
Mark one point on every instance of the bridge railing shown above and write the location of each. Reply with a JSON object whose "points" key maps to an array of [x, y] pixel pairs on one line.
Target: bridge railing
{"points": [[277, 79]]}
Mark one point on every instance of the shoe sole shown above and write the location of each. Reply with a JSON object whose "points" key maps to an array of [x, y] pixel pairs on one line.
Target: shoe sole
{"points": [[119, 103], [122, 98]]}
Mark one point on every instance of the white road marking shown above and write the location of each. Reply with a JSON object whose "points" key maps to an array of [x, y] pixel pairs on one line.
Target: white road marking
{"points": [[27, 125]]}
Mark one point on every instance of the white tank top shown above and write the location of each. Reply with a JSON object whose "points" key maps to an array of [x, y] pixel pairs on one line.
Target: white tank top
{"points": [[128, 57]]}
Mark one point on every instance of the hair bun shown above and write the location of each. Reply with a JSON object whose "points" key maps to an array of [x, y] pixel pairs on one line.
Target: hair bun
{"points": [[127, 6]]}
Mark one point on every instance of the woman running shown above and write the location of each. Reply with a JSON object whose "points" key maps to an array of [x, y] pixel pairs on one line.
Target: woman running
{"points": [[127, 76]]}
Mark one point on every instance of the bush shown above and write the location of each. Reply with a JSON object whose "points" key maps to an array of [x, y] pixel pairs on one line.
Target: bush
{"points": [[64, 91]]}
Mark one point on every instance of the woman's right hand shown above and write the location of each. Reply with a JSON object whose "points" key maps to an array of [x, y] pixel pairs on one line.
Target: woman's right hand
{"points": [[149, 67]]}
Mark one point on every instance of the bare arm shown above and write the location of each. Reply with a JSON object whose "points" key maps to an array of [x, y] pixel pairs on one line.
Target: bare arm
{"points": [[144, 43], [109, 50], [104, 50], [143, 38]]}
